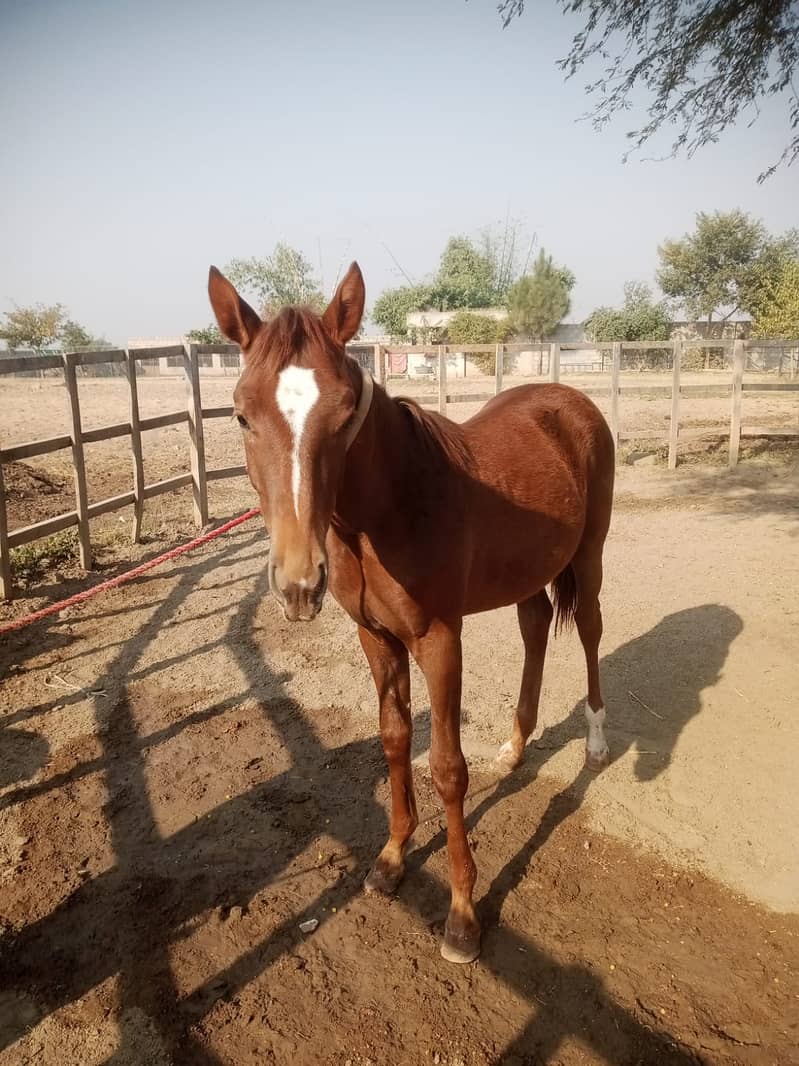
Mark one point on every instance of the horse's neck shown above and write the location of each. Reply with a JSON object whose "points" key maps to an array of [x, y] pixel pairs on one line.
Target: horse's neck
{"points": [[384, 465]]}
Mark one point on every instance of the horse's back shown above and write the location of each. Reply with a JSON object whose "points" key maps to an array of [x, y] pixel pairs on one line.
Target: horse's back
{"points": [[545, 426]]}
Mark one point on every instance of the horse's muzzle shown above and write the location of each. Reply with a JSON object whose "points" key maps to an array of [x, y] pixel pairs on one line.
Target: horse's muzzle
{"points": [[301, 600]]}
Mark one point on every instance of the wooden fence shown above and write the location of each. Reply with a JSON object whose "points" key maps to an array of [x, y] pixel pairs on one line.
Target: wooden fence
{"points": [[737, 351], [194, 414]]}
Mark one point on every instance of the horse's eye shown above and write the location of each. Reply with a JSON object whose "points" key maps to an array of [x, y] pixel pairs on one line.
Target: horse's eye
{"points": [[242, 421]]}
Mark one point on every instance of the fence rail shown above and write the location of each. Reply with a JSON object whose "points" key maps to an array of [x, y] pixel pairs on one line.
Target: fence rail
{"points": [[193, 415], [738, 350], [376, 357]]}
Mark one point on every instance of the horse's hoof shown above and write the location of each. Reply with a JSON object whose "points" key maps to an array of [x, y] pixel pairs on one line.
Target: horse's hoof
{"points": [[597, 761], [461, 949], [507, 760], [383, 878]]}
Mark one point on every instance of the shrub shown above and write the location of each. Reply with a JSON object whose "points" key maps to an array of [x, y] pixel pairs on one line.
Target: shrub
{"points": [[30, 561], [469, 328]]}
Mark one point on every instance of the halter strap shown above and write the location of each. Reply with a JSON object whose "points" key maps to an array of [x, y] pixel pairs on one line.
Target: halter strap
{"points": [[362, 410]]}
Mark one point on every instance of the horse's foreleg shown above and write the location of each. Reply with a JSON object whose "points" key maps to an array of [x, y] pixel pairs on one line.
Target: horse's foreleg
{"points": [[388, 659], [439, 656]]}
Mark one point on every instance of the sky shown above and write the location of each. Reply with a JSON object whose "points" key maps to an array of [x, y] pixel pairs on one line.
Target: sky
{"points": [[142, 142]]}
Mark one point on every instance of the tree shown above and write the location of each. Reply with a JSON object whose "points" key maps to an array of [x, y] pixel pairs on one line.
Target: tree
{"points": [[465, 276], [469, 275], [539, 301], [34, 327], [74, 337], [284, 277], [778, 312], [502, 247], [393, 306], [480, 274], [723, 266], [702, 65], [638, 319]]}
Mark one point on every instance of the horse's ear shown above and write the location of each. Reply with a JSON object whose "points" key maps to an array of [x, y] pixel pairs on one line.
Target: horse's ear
{"points": [[236, 318], [345, 311]]}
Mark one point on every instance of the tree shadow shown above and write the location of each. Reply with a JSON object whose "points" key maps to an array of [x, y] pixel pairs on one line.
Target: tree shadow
{"points": [[123, 921], [54, 634], [24, 755]]}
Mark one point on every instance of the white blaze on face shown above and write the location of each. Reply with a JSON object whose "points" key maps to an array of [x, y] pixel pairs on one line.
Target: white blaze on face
{"points": [[296, 394]]}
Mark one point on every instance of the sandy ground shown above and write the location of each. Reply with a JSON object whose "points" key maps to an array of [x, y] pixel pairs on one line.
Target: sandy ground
{"points": [[185, 777]]}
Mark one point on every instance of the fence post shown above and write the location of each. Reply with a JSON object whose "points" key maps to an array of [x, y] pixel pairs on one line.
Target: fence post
{"points": [[499, 359], [674, 427], [78, 462], [199, 486], [380, 377], [5, 552], [615, 373], [135, 444], [738, 360], [554, 361], [442, 379]]}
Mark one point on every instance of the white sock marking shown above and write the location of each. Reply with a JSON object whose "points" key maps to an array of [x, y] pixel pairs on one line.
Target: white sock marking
{"points": [[596, 743], [296, 394]]}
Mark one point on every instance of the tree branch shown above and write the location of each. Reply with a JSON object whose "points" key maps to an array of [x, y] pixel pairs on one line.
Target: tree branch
{"points": [[702, 64]]}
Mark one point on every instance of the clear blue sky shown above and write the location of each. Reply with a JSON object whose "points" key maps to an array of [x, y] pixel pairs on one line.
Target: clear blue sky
{"points": [[143, 141]]}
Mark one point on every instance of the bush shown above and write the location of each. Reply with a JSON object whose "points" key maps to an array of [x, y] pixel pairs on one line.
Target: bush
{"points": [[32, 560], [704, 358], [469, 328], [639, 319]]}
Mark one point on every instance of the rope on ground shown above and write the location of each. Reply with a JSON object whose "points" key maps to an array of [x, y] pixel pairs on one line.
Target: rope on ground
{"points": [[129, 575]]}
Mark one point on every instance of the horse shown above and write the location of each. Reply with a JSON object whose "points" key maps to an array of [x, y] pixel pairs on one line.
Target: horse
{"points": [[413, 521]]}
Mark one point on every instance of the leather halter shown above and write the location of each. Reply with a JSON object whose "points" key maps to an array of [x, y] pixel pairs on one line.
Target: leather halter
{"points": [[362, 410]]}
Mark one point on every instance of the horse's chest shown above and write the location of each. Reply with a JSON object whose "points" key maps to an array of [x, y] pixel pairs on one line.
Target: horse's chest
{"points": [[368, 593]]}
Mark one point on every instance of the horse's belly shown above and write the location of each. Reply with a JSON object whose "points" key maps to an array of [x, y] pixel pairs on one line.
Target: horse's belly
{"points": [[519, 560]]}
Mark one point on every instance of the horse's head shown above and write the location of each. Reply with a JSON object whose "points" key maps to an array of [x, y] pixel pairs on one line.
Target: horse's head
{"points": [[298, 401]]}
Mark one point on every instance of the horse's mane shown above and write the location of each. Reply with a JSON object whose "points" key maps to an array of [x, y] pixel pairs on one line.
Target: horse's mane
{"points": [[289, 333], [433, 429]]}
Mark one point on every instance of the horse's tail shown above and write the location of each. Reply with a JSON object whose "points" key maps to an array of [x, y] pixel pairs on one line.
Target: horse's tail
{"points": [[564, 596]]}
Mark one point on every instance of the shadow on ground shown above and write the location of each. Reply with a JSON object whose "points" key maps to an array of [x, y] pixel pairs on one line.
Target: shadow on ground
{"points": [[124, 921]]}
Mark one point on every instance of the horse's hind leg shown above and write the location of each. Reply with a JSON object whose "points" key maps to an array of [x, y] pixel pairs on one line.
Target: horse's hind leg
{"points": [[535, 616], [587, 568]]}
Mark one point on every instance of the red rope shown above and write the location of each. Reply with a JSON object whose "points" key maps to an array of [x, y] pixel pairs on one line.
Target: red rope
{"points": [[120, 579]]}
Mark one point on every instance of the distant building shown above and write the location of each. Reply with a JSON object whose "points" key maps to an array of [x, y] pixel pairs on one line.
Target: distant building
{"points": [[156, 342], [216, 363]]}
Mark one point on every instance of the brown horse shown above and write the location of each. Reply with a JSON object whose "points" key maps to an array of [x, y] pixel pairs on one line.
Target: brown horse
{"points": [[415, 522]]}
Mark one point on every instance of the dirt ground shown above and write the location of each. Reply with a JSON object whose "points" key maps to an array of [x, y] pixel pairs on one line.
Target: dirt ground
{"points": [[185, 778]]}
